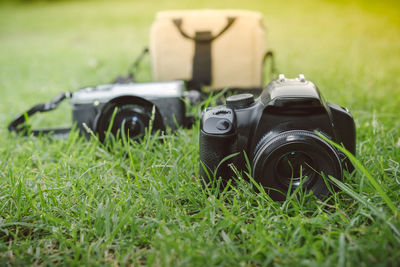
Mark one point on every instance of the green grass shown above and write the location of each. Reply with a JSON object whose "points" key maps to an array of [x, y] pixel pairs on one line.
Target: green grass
{"points": [[73, 202]]}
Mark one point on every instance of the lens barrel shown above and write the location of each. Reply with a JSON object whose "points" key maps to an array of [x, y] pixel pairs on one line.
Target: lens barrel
{"points": [[128, 116], [295, 158]]}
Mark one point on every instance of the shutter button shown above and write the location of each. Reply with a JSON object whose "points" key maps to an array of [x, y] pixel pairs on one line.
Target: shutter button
{"points": [[223, 125], [240, 101]]}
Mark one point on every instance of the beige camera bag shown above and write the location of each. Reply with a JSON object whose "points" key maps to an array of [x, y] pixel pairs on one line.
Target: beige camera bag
{"points": [[213, 48]]}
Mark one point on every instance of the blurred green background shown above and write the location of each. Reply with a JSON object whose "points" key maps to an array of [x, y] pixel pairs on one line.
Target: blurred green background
{"points": [[349, 49]]}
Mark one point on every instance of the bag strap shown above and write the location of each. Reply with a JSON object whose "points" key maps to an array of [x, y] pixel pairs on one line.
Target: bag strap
{"points": [[202, 59], [196, 38], [19, 125]]}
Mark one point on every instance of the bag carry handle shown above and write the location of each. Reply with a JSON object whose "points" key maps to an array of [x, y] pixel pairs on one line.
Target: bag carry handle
{"points": [[18, 125], [178, 23], [202, 59]]}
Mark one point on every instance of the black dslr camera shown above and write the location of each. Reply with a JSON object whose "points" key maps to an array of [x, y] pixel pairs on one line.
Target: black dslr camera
{"points": [[277, 133], [119, 108]]}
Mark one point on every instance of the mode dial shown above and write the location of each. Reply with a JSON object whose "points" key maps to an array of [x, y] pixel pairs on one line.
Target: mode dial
{"points": [[240, 101]]}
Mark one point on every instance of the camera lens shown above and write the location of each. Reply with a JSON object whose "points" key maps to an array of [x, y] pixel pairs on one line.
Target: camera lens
{"points": [[132, 119], [129, 116], [293, 166], [296, 158]]}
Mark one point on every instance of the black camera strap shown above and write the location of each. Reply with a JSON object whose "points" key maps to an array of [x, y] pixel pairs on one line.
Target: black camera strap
{"points": [[130, 77], [20, 126]]}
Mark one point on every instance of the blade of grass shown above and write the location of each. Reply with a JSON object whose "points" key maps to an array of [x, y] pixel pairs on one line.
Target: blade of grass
{"points": [[359, 166]]}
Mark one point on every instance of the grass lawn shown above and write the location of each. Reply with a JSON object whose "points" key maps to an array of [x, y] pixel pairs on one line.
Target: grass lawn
{"points": [[72, 202]]}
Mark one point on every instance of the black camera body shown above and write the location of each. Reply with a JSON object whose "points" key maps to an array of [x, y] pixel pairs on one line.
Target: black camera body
{"points": [[277, 134], [130, 107]]}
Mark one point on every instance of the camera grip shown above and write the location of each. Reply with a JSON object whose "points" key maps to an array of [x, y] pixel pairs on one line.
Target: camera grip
{"points": [[213, 150]]}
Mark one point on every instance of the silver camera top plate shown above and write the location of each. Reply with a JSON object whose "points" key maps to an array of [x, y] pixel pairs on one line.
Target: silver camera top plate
{"points": [[149, 90]]}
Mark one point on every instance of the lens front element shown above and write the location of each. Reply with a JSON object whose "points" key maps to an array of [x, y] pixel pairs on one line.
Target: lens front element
{"points": [[293, 166], [132, 119]]}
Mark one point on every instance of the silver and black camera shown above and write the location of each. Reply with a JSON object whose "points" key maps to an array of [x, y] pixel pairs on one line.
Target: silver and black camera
{"points": [[119, 109], [130, 107]]}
